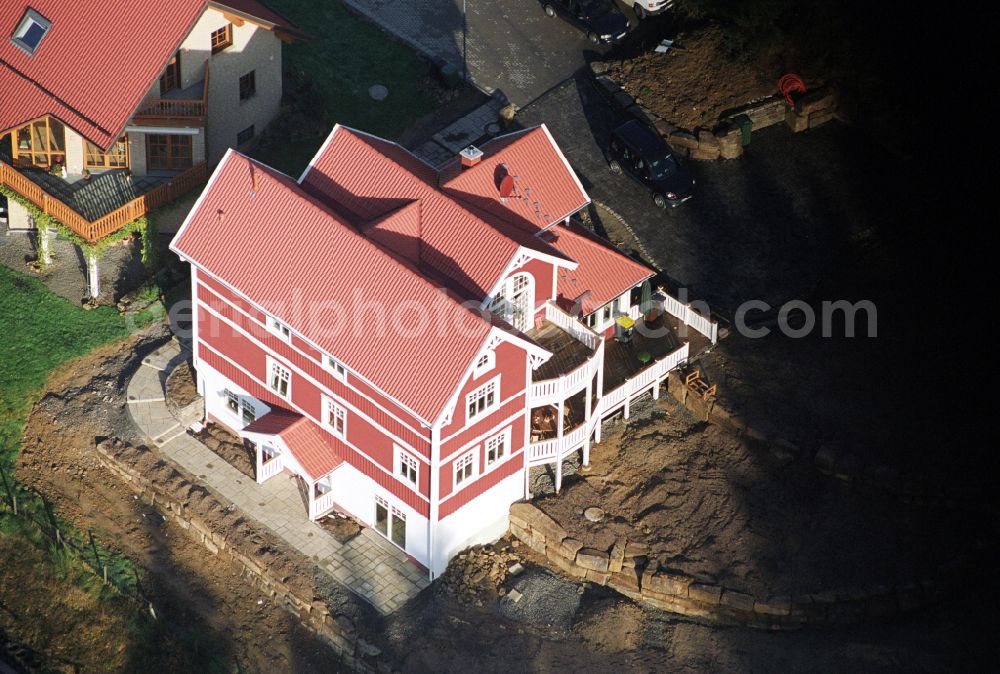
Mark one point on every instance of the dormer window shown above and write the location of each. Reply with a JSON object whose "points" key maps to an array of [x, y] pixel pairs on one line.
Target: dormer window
{"points": [[30, 31]]}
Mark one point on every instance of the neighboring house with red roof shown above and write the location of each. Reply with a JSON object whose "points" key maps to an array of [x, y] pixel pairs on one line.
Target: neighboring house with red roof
{"points": [[408, 340], [108, 109]]}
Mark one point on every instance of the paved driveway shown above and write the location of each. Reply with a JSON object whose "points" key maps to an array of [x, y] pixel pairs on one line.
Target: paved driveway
{"points": [[772, 225], [508, 45]]}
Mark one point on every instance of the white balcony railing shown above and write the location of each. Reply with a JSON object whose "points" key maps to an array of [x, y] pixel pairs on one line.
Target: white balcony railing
{"points": [[555, 390], [320, 505], [547, 451], [690, 317], [612, 400], [269, 468], [572, 325]]}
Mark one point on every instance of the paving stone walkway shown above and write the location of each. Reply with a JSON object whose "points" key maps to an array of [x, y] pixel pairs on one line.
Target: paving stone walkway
{"points": [[367, 564]]}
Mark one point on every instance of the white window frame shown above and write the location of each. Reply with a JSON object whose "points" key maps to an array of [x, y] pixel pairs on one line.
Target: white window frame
{"points": [[481, 392], [470, 458], [503, 438], [485, 363], [272, 365], [276, 327], [242, 405], [332, 409], [406, 464], [334, 367]]}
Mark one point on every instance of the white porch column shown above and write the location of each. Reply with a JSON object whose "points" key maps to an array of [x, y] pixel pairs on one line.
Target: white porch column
{"points": [[559, 436], [312, 500], [259, 451], [656, 389], [587, 417], [93, 276]]}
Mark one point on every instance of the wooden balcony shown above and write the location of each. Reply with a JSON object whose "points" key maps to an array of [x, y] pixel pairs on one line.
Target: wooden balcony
{"points": [[112, 221], [186, 107]]}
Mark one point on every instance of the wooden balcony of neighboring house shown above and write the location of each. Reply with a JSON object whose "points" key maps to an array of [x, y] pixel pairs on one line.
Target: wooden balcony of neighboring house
{"points": [[178, 107], [100, 204]]}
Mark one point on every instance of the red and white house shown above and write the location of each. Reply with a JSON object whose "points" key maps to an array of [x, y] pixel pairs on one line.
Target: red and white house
{"points": [[410, 340]]}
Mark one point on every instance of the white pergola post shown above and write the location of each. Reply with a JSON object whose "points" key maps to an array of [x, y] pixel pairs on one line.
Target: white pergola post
{"points": [[44, 248], [93, 276]]}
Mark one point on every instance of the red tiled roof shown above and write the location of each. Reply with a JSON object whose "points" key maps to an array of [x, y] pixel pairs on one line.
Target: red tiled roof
{"points": [[603, 270], [292, 255], [317, 451], [259, 10], [95, 64], [546, 189], [367, 177]]}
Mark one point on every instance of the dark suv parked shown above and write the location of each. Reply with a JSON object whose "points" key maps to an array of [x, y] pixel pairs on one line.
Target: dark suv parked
{"points": [[601, 20], [645, 156]]}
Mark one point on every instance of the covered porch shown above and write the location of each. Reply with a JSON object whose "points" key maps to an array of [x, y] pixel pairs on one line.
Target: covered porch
{"points": [[284, 441]]}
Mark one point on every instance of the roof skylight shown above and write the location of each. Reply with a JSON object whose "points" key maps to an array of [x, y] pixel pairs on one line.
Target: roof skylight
{"points": [[30, 31]]}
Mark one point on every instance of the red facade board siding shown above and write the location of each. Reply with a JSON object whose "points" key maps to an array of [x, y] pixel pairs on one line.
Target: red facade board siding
{"points": [[541, 271], [511, 365], [349, 392], [306, 399], [447, 470], [481, 485]]}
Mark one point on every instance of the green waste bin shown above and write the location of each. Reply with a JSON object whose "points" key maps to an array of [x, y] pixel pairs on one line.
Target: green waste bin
{"points": [[746, 128]]}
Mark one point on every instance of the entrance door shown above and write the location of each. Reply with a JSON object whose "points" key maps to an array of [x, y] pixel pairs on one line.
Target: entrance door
{"points": [[171, 77], [390, 522], [517, 301], [168, 152]]}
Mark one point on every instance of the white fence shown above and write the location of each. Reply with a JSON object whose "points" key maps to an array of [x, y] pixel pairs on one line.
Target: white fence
{"points": [[690, 317], [580, 332]]}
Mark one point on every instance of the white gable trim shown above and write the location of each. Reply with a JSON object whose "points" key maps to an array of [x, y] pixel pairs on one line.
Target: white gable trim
{"points": [[494, 339], [569, 168], [521, 258]]}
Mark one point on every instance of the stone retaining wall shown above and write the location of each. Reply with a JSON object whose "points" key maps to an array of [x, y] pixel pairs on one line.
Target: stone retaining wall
{"points": [[725, 141], [192, 507], [627, 569]]}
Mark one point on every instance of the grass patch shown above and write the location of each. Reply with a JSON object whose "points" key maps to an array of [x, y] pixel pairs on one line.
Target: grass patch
{"points": [[44, 331], [328, 77]]}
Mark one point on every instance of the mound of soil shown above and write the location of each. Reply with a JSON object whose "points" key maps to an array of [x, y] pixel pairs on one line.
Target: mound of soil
{"points": [[342, 527], [181, 389], [709, 506], [695, 81], [229, 448]]}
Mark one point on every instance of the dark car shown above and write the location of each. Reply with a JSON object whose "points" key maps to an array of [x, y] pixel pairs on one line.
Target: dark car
{"points": [[640, 152], [599, 19], [3, 210]]}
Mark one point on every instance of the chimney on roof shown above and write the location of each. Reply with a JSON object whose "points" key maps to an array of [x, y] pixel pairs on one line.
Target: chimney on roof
{"points": [[471, 156]]}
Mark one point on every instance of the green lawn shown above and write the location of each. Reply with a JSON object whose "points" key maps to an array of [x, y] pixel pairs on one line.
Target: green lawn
{"points": [[329, 77], [43, 331]]}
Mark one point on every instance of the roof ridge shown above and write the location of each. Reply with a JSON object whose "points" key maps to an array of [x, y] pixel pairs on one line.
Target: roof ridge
{"points": [[354, 232]]}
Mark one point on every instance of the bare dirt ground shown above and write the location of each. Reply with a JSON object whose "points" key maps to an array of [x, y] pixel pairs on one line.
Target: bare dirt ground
{"points": [[712, 507], [673, 85], [229, 448], [200, 600], [558, 625]]}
